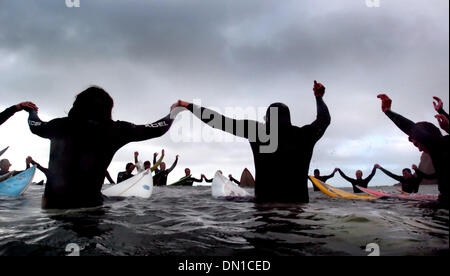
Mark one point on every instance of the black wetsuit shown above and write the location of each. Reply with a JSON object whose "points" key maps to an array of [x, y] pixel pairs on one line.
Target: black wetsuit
{"points": [[235, 181], [409, 185], [122, 176], [80, 153], [437, 147], [160, 177], [360, 182], [324, 179], [208, 180], [7, 113], [188, 181], [291, 185]]}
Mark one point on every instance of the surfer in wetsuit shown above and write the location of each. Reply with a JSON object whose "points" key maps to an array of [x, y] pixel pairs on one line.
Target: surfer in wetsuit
{"points": [[410, 183], [127, 174], [274, 142], [10, 111], [322, 178], [234, 180], [359, 180], [82, 147], [161, 174], [147, 165], [428, 138], [187, 180]]}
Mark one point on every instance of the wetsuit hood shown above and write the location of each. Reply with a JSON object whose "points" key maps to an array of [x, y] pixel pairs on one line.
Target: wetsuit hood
{"points": [[284, 115]]}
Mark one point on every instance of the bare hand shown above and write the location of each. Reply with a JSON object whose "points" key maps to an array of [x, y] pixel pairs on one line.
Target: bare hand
{"points": [[377, 166], [136, 154], [155, 154], [438, 104], [27, 106], [177, 156], [414, 167], [386, 102], [179, 103], [230, 176], [28, 160], [319, 89], [443, 122]]}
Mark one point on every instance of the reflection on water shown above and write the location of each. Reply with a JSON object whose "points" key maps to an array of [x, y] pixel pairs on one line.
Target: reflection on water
{"points": [[187, 221]]}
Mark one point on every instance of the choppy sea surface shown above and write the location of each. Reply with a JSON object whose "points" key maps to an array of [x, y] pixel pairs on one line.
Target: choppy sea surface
{"points": [[188, 221]]}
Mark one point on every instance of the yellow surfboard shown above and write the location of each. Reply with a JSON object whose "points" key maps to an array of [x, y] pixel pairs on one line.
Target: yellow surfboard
{"points": [[334, 192]]}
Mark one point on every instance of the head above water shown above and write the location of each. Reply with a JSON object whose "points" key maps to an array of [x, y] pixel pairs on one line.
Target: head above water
{"points": [[187, 171], [130, 167], [4, 165], [421, 133], [407, 173], [94, 104], [359, 174], [147, 165], [281, 111], [162, 166], [316, 173]]}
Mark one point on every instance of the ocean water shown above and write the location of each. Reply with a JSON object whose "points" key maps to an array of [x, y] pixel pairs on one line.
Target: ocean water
{"points": [[187, 221]]}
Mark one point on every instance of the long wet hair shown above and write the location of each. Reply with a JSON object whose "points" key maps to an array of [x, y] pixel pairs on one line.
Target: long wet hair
{"points": [[94, 104]]}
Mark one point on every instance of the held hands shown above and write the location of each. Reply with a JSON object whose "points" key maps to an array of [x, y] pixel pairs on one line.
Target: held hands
{"points": [[377, 166], [438, 104], [230, 176], [28, 160], [386, 102], [27, 106], [179, 103], [443, 122], [319, 89]]}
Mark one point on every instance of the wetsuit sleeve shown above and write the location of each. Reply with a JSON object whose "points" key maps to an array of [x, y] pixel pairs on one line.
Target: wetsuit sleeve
{"points": [[173, 166], [7, 113], [235, 181], [401, 122], [156, 164], [40, 128], [326, 177], [371, 175], [394, 176], [323, 118], [238, 128], [135, 133], [442, 111], [196, 180], [426, 176], [208, 180], [42, 169], [351, 180]]}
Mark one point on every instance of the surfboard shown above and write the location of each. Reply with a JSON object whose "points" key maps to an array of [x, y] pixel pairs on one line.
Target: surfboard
{"points": [[400, 196], [3, 151], [223, 187], [179, 182], [338, 193], [247, 180], [18, 184], [140, 185]]}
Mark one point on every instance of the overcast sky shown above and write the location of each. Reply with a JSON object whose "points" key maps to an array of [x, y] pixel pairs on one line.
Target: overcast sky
{"points": [[234, 53]]}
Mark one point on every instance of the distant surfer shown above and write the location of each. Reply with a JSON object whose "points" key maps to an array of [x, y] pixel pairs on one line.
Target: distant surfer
{"points": [[127, 174], [147, 165], [359, 181], [161, 174], [10, 111], [187, 180], [428, 138], [410, 182], [291, 185], [82, 147], [322, 178]]}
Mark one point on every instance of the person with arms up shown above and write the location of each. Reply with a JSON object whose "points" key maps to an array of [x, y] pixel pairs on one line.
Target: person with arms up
{"points": [[274, 142]]}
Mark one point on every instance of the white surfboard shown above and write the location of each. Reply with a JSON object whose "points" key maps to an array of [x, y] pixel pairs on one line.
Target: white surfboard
{"points": [[223, 187], [140, 185]]}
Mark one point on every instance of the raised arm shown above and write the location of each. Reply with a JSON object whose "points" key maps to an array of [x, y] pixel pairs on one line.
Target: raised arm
{"points": [[439, 107], [135, 133], [421, 174], [197, 180], [41, 128], [212, 118], [34, 163], [156, 164], [323, 117], [371, 175], [351, 180], [10, 111], [401, 122], [388, 173], [206, 179], [234, 180], [173, 165], [326, 177]]}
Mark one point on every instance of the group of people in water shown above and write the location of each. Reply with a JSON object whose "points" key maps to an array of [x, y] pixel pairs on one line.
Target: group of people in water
{"points": [[84, 143]]}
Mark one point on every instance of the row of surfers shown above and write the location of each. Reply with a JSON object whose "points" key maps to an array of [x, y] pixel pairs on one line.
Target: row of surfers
{"points": [[83, 144], [409, 182]]}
